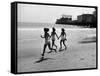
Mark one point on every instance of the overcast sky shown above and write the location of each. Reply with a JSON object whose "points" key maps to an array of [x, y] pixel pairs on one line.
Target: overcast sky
{"points": [[47, 13]]}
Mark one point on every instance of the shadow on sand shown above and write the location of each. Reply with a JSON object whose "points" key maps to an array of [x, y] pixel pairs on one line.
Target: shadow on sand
{"points": [[43, 59], [87, 41]]}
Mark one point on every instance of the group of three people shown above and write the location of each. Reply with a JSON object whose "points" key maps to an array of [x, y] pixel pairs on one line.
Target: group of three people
{"points": [[47, 37]]}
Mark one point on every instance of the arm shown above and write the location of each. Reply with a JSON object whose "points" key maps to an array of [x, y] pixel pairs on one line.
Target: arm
{"points": [[57, 36], [50, 35], [65, 35], [42, 36]]}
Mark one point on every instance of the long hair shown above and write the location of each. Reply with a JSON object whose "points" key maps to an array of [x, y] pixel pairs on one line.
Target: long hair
{"points": [[53, 30]]}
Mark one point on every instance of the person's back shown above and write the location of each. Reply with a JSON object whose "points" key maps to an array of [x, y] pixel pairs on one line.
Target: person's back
{"points": [[47, 38]]}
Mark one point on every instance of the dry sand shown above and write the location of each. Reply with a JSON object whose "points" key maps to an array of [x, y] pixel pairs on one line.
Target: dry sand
{"points": [[80, 53]]}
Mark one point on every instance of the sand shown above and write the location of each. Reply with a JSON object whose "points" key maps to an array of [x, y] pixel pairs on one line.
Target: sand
{"points": [[80, 53]]}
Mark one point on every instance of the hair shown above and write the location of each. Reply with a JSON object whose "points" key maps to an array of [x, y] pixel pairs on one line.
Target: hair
{"points": [[63, 30], [53, 29], [46, 29]]}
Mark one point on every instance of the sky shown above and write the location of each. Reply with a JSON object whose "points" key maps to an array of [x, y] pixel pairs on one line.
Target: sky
{"points": [[48, 14]]}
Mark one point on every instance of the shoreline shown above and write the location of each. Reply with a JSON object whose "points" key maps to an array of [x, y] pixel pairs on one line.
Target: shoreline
{"points": [[57, 28]]}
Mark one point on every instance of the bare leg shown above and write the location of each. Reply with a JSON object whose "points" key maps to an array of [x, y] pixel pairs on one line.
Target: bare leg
{"points": [[53, 44], [49, 46], [45, 45], [64, 44], [60, 44]]}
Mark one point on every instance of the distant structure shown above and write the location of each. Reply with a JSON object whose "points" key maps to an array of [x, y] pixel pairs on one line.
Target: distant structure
{"points": [[64, 19], [95, 17], [85, 18], [94, 13], [89, 20]]}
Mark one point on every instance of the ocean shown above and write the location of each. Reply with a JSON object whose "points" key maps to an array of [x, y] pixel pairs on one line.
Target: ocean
{"points": [[29, 31], [42, 25]]}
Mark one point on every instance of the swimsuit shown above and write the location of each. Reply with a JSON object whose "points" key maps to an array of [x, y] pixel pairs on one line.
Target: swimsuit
{"points": [[53, 36]]}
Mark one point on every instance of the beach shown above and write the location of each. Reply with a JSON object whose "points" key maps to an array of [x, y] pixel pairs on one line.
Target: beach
{"points": [[80, 53]]}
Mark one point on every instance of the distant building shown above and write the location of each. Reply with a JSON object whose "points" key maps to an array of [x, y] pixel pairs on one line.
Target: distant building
{"points": [[64, 19], [85, 18], [94, 13]]}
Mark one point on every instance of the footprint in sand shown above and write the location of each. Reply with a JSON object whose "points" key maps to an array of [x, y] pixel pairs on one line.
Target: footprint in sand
{"points": [[82, 59]]}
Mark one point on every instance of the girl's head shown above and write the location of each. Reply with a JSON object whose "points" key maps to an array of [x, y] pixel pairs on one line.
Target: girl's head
{"points": [[46, 29], [63, 30], [53, 29]]}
